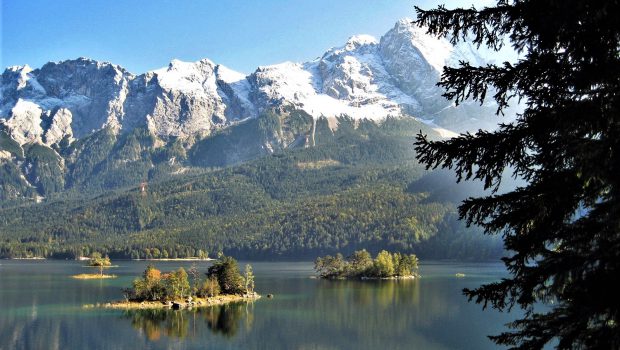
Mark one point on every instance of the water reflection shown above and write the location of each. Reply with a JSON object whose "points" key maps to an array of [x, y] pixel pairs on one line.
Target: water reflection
{"points": [[42, 309], [382, 303], [225, 320]]}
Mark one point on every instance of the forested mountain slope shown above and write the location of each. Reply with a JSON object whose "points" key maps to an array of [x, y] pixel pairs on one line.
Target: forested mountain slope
{"points": [[356, 188]]}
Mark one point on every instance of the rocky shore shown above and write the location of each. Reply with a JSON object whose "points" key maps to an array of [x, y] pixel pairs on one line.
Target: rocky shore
{"points": [[188, 303], [408, 277]]}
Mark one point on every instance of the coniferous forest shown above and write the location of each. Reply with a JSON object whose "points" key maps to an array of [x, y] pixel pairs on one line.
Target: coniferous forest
{"points": [[359, 186]]}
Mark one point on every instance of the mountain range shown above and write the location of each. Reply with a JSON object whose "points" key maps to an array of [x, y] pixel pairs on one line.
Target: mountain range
{"points": [[79, 137], [365, 78]]}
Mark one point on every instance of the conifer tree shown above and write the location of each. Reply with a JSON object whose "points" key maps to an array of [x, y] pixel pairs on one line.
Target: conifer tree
{"points": [[226, 271], [562, 229]]}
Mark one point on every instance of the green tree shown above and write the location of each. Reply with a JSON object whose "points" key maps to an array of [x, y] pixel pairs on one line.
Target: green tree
{"points": [[561, 229], [330, 266], [98, 261], [210, 287], [360, 262], [384, 264], [177, 284], [407, 265], [226, 271], [150, 286]]}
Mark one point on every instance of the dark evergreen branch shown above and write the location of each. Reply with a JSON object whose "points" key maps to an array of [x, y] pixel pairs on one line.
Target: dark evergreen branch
{"points": [[485, 26], [562, 229], [482, 156]]}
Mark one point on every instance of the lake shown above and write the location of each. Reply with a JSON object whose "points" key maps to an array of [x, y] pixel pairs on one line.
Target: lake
{"points": [[41, 308]]}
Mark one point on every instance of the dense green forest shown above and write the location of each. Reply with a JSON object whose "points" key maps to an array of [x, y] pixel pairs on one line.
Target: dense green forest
{"points": [[361, 265], [274, 187]]}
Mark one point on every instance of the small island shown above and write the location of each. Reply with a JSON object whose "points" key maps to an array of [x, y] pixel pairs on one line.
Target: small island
{"points": [[179, 290], [96, 260], [360, 265]]}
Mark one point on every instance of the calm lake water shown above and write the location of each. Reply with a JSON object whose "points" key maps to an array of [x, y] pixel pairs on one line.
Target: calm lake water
{"points": [[41, 308]]}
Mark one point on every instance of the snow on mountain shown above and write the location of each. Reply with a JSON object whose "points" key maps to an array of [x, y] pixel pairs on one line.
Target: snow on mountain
{"points": [[368, 78], [364, 78], [188, 77], [182, 95], [25, 126]]}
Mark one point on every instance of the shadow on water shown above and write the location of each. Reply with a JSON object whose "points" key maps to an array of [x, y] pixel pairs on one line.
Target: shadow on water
{"points": [[224, 320]]}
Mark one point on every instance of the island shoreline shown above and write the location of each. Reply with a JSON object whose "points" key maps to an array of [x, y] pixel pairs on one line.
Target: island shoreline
{"points": [[177, 304]]}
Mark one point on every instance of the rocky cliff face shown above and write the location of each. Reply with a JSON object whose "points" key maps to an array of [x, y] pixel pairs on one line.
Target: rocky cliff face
{"points": [[70, 98], [365, 78], [74, 98]]}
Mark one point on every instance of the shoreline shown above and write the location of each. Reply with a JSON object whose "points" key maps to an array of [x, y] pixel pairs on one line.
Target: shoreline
{"points": [[174, 259], [410, 277], [367, 278], [177, 304], [92, 276]]}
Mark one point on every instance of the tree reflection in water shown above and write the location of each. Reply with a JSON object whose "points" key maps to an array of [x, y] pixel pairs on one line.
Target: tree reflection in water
{"points": [[222, 319]]}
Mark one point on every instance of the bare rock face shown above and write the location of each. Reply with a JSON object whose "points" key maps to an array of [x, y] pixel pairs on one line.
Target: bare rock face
{"points": [[184, 99], [86, 94], [93, 91], [353, 72], [415, 60], [188, 98], [74, 98], [60, 127]]}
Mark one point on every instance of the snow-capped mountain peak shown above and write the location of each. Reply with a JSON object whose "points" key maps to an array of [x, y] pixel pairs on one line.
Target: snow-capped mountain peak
{"points": [[364, 78], [436, 51], [19, 78], [228, 75], [356, 41], [187, 76]]}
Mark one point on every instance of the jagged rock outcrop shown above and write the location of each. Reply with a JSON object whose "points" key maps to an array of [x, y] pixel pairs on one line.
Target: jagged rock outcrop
{"points": [[75, 97]]}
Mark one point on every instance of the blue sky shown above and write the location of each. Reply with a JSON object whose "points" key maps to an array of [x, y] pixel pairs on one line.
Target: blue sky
{"points": [[147, 34]]}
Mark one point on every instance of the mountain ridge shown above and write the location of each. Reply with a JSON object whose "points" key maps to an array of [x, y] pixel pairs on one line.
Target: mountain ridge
{"points": [[365, 78], [293, 159], [359, 187]]}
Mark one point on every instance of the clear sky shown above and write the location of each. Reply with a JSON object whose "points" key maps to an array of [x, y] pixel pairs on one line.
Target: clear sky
{"points": [[146, 34]]}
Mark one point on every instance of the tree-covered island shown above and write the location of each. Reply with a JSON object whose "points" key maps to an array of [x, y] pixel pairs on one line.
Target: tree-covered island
{"points": [[180, 289], [99, 261], [361, 265]]}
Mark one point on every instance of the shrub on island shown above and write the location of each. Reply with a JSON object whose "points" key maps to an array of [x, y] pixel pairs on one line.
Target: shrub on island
{"points": [[361, 265], [97, 260], [223, 278]]}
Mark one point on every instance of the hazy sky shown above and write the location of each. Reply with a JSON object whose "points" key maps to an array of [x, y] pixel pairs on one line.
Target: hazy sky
{"points": [[147, 34]]}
